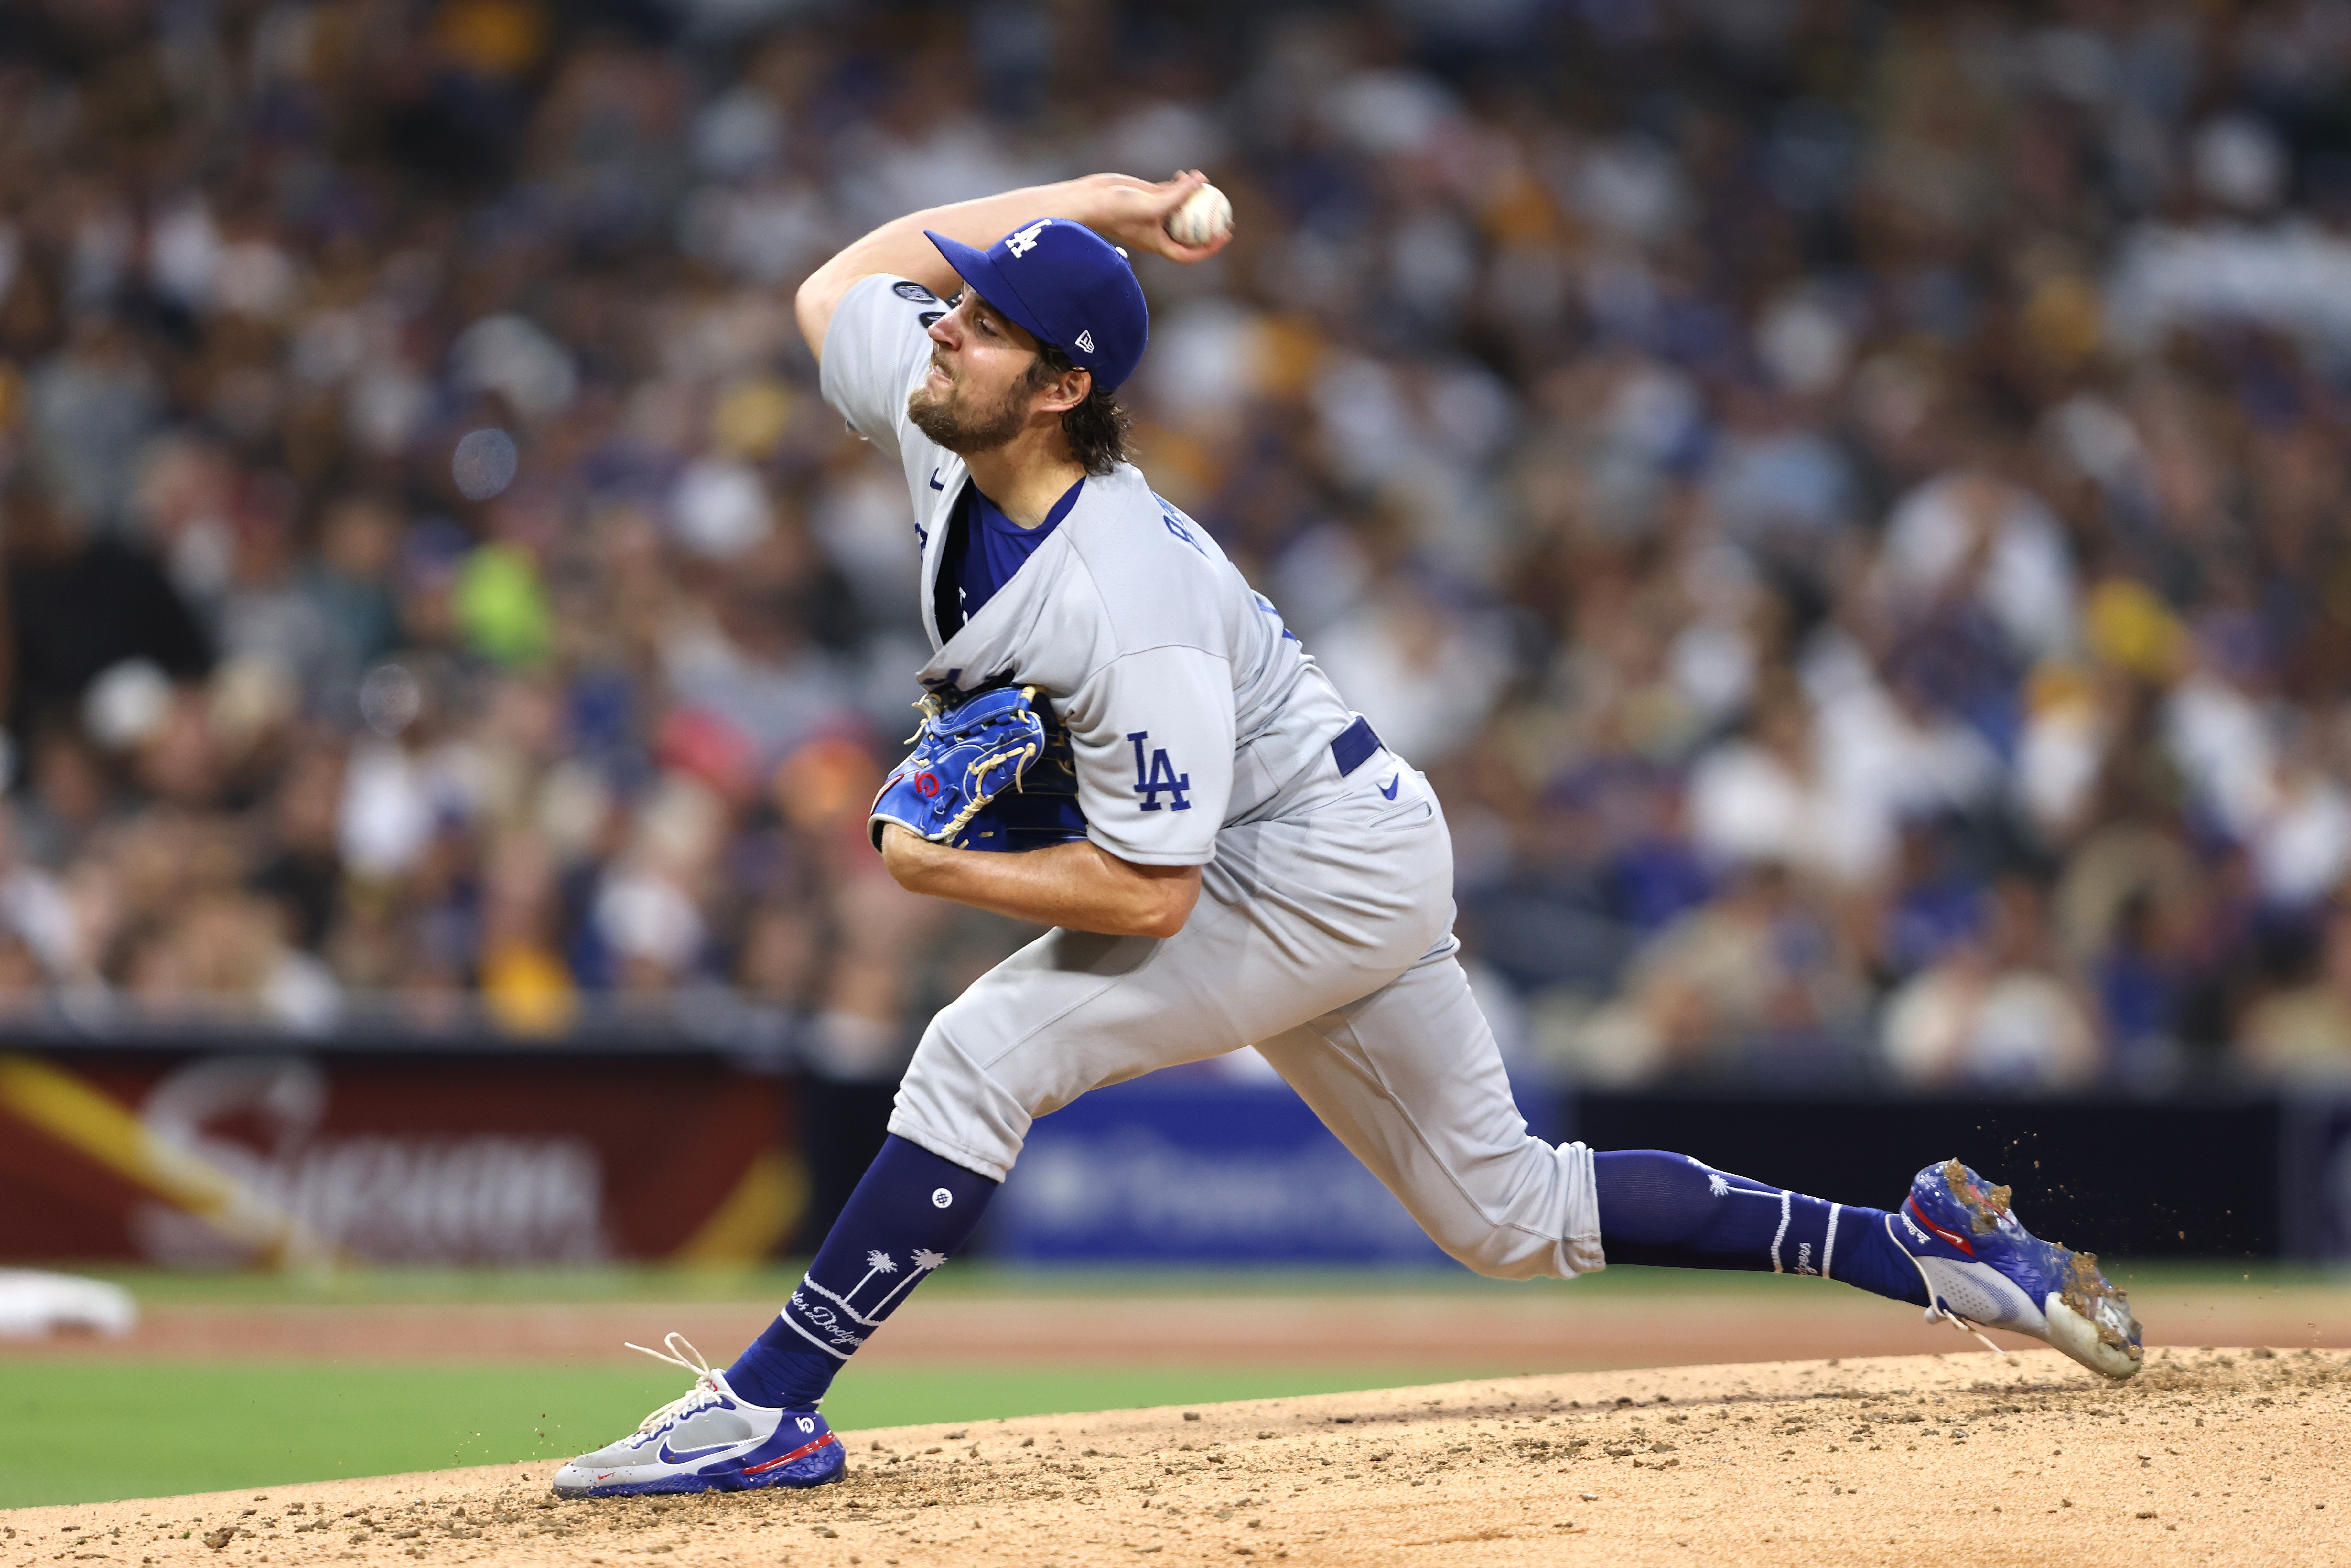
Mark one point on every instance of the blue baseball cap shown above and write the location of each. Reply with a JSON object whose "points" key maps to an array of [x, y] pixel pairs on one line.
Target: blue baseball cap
{"points": [[1066, 286]]}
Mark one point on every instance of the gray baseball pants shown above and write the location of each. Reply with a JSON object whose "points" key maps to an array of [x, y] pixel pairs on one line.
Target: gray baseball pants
{"points": [[1324, 939]]}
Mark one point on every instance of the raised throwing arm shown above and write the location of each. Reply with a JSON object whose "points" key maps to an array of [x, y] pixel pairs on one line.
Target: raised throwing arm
{"points": [[1123, 210]]}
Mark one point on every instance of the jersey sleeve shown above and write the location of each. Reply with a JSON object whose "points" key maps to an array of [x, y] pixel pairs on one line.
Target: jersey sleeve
{"points": [[1152, 733], [873, 350]]}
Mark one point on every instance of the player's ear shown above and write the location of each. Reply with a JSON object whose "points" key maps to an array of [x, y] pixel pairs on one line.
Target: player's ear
{"points": [[1067, 391]]}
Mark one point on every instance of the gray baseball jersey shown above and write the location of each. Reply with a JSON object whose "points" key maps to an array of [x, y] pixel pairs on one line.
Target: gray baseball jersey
{"points": [[1205, 735]]}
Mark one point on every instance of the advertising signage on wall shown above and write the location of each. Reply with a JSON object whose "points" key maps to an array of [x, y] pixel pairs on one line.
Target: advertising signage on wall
{"points": [[282, 1158]]}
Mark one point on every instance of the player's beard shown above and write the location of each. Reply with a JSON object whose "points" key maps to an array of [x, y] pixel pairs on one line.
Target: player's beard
{"points": [[964, 431]]}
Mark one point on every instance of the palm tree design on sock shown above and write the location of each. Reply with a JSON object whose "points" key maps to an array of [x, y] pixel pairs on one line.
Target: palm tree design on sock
{"points": [[876, 1262], [1716, 1185], [881, 1262], [925, 1260]]}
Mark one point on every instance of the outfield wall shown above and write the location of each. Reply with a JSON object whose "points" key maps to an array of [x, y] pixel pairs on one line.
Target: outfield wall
{"points": [[228, 1158], [234, 1152]]}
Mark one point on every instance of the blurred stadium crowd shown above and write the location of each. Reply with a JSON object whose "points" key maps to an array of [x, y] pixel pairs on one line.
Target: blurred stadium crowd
{"points": [[1844, 500]]}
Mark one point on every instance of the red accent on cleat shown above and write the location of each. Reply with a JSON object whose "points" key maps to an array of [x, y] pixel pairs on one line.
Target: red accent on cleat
{"points": [[802, 1452], [1954, 1237]]}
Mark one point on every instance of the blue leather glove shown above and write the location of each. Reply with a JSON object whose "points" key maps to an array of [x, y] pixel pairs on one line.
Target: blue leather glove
{"points": [[966, 754], [1042, 809]]}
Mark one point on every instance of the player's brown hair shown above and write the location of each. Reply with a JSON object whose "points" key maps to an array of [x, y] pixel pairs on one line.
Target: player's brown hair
{"points": [[1097, 428]]}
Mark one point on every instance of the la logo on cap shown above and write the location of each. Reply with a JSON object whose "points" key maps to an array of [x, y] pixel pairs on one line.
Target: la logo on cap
{"points": [[1021, 242], [1086, 341]]}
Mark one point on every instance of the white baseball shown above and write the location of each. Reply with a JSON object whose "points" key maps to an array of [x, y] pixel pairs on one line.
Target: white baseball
{"points": [[1204, 214]]}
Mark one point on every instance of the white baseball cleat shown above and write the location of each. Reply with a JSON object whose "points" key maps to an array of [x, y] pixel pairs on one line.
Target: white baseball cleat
{"points": [[1984, 1269], [709, 1438]]}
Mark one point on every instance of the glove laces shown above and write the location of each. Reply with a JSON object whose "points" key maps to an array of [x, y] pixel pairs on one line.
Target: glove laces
{"points": [[681, 1353]]}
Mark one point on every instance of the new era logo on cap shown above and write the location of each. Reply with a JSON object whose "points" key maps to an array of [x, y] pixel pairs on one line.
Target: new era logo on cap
{"points": [[1066, 285]]}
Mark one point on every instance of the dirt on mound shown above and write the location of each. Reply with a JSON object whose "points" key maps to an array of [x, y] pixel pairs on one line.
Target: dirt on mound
{"points": [[2221, 1456]]}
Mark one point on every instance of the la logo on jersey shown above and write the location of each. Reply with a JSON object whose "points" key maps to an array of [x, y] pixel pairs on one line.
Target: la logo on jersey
{"points": [[1022, 241], [1158, 777]]}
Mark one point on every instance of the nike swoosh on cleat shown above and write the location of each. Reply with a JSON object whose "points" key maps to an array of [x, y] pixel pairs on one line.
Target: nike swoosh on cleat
{"points": [[1953, 1237], [670, 1456], [1389, 789]]}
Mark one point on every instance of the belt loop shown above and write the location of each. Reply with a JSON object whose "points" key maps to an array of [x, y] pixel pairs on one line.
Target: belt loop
{"points": [[1352, 746]]}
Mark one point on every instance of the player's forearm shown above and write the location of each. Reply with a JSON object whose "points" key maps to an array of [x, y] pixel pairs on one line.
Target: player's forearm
{"points": [[1123, 210], [1075, 885], [899, 248]]}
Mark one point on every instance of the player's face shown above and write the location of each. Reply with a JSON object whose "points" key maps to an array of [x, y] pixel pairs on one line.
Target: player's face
{"points": [[975, 395]]}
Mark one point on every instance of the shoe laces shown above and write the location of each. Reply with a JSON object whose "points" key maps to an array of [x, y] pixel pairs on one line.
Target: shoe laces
{"points": [[704, 1392], [1935, 1310]]}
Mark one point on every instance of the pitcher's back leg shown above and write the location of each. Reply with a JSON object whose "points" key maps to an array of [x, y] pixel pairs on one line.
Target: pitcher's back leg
{"points": [[1410, 1080]]}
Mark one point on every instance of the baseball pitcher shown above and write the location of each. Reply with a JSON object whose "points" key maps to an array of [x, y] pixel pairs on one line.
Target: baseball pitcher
{"points": [[1122, 742]]}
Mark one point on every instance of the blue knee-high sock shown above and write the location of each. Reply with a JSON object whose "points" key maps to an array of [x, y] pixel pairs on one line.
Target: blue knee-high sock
{"points": [[1657, 1207], [907, 1217]]}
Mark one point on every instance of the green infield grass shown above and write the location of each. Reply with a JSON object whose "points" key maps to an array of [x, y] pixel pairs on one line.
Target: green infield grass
{"points": [[94, 1430], [93, 1427], [770, 1284]]}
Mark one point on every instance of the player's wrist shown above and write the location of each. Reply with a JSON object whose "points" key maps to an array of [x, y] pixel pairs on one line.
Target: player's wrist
{"points": [[1134, 213], [1093, 199], [893, 840]]}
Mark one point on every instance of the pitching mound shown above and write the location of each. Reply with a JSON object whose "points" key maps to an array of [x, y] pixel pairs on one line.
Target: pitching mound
{"points": [[2225, 1457]]}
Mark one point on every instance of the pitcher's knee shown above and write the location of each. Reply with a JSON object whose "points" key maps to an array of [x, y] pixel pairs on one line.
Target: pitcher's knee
{"points": [[1532, 1217], [952, 1106], [1500, 1251]]}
